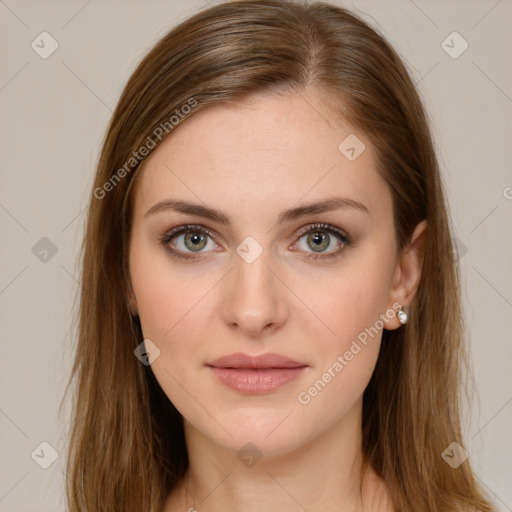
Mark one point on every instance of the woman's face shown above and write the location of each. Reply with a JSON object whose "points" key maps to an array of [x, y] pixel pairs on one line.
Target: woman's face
{"points": [[254, 275]]}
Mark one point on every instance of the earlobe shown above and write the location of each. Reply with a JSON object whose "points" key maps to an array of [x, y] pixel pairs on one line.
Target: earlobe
{"points": [[408, 275]]}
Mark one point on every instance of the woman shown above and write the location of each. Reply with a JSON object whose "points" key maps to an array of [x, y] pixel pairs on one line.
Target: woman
{"points": [[270, 317]]}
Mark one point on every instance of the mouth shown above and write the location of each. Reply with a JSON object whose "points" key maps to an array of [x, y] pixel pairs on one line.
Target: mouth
{"points": [[256, 375]]}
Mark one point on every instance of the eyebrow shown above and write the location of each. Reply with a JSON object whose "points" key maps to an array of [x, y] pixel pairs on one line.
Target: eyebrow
{"points": [[329, 204]]}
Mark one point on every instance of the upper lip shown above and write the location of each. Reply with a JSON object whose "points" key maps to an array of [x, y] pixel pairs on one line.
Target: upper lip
{"points": [[268, 360]]}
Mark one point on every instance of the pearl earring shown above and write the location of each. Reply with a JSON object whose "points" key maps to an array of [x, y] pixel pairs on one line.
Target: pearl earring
{"points": [[402, 315]]}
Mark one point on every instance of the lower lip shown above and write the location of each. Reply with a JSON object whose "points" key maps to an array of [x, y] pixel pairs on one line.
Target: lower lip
{"points": [[257, 381]]}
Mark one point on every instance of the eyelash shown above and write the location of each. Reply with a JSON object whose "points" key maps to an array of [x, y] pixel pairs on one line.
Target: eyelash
{"points": [[343, 238]]}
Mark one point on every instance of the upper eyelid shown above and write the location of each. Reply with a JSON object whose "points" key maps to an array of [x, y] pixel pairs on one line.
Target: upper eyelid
{"points": [[300, 232], [180, 230], [320, 226]]}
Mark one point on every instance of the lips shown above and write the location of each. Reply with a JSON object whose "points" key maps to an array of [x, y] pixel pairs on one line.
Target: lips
{"points": [[256, 375], [269, 360]]}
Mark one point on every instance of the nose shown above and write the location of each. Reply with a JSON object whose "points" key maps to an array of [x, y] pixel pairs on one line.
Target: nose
{"points": [[255, 299]]}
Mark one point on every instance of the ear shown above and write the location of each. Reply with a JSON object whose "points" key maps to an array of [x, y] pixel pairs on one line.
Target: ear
{"points": [[407, 274]]}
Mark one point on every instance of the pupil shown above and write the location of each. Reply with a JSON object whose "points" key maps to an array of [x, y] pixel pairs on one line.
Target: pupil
{"points": [[320, 240], [194, 240]]}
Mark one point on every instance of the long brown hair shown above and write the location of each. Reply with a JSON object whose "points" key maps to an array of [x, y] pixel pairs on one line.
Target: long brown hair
{"points": [[127, 448]]}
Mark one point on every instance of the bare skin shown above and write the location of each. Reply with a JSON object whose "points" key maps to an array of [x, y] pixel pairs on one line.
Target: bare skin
{"points": [[252, 162]]}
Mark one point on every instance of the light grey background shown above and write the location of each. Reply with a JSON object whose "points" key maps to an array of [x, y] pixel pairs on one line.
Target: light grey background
{"points": [[54, 113]]}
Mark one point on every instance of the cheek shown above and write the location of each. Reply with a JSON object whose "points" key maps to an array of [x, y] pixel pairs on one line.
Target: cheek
{"points": [[346, 359], [351, 307], [349, 302], [331, 393], [167, 295], [171, 309]]}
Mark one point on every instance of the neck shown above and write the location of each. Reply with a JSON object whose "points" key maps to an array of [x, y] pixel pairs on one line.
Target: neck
{"points": [[322, 474]]}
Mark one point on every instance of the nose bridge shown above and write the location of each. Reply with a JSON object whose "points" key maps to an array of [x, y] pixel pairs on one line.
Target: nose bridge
{"points": [[254, 299], [254, 276]]}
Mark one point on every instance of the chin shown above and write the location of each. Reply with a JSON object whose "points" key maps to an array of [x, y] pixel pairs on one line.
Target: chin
{"points": [[271, 432]]}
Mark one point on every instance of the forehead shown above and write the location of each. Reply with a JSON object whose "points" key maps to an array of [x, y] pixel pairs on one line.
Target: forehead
{"points": [[277, 149]]}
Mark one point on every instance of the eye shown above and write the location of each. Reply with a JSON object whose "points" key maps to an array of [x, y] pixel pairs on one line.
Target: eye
{"points": [[189, 242], [318, 238], [184, 241]]}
